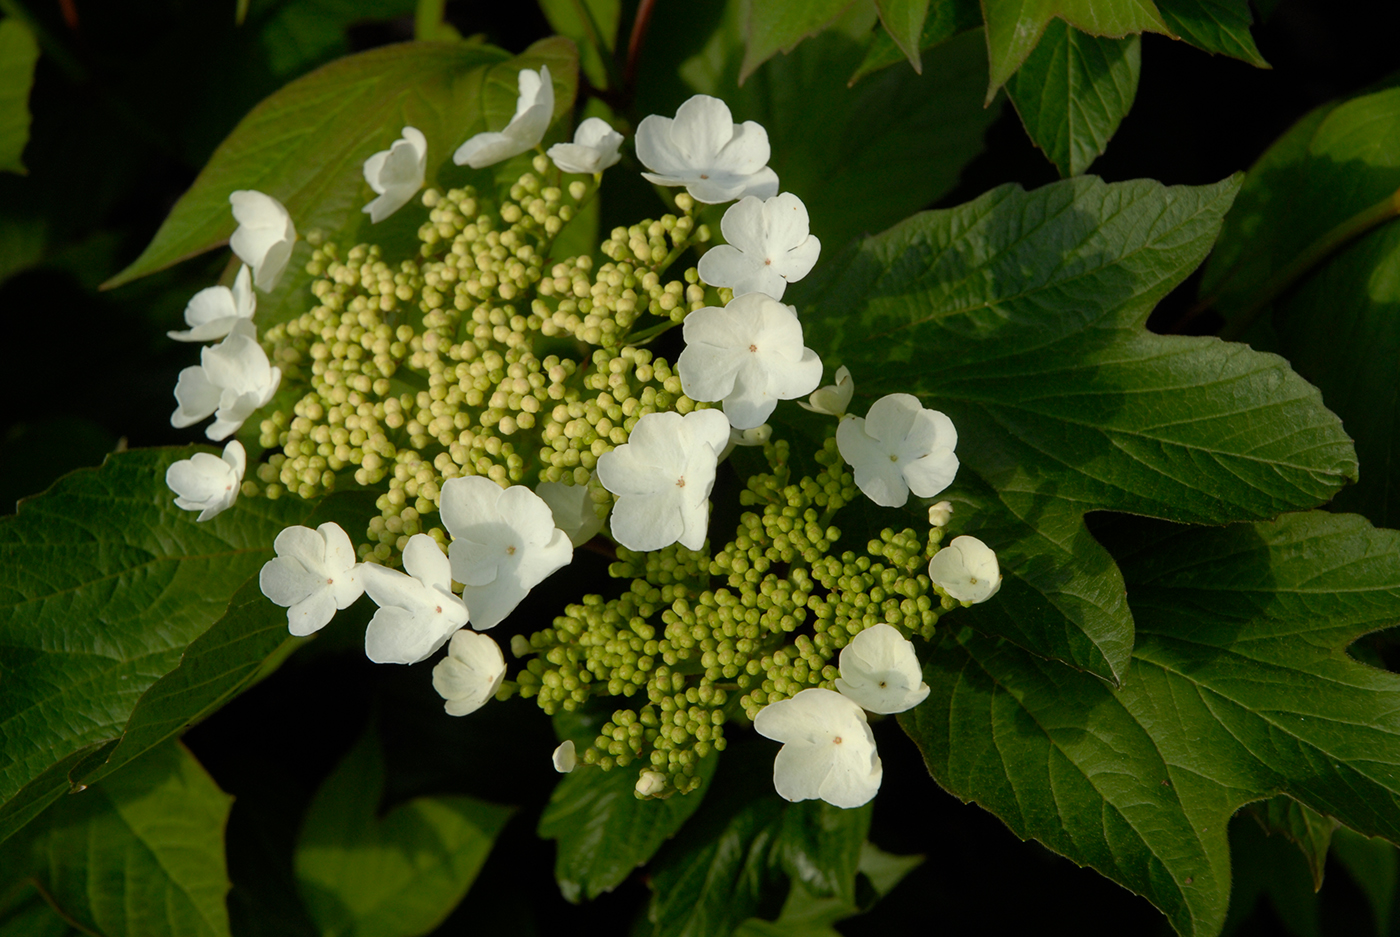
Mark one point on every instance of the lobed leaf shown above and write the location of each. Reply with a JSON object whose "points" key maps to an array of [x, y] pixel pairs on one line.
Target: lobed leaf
{"points": [[18, 55], [1217, 26], [944, 20]]}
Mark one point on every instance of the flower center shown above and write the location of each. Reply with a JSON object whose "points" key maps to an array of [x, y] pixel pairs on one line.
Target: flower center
{"points": [[439, 609], [768, 261], [882, 684], [330, 580], [753, 348], [704, 175], [837, 740], [680, 482], [894, 457], [510, 550], [972, 580]]}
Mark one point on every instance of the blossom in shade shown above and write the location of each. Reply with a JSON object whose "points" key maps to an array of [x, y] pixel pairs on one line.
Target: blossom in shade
{"points": [[703, 149], [748, 354], [769, 246], [504, 543], [898, 447], [662, 477], [650, 784], [396, 174], [573, 511], [967, 569], [880, 671], [828, 749], [213, 312], [594, 149], [470, 674], [208, 483], [417, 610], [264, 237], [833, 399], [313, 574], [232, 380], [564, 757], [534, 109], [940, 513]]}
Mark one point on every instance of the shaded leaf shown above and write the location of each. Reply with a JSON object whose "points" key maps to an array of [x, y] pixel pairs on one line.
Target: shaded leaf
{"points": [[1073, 92], [18, 53], [944, 20], [779, 25], [1307, 829], [904, 23], [1269, 868], [1372, 863], [592, 25], [297, 34], [1220, 26]]}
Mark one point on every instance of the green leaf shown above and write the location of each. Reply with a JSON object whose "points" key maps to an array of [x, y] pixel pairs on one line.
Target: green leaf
{"points": [[779, 25], [305, 144], [1372, 864], [25, 913], [398, 875], [592, 25], [1015, 26], [944, 20], [1218, 26], [904, 23], [1269, 867], [604, 831], [18, 53], [1307, 829], [140, 854], [1338, 323], [1240, 689], [300, 33], [1021, 315], [743, 843], [103, 584], [806, 915], [1073, 92]]}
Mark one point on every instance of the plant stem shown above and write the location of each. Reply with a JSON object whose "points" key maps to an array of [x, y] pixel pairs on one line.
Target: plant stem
{"points": [[634, 44]]}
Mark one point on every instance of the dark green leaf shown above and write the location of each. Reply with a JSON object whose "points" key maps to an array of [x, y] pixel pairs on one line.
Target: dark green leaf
{"points": [[1240, 689], [25, 913], [904, 23], [1307, 829], [305, 144], [945, 19], [1220, 26], [1269, 868], [592, 25], [1021, 315], [1372, 864], [18, 53], [298, 34], [1073, 92], [103, 584], [397, 875], [141, 853], [779, 25], [1015, 26], [604, 831]]}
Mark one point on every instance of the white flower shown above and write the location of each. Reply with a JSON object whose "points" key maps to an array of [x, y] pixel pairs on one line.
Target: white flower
{"points": [[756, 436], [264, 237], [898, 447], [593, 150], [417, 610], [834, 399], [233, 378], [212, 313], [208, 483], [564, 757], [828, 749], [396, 174], [703, 149], [504, 544], [650, 783], [940, 513], [572, 508], [314, 574], [967, 570], [470, 674], [534, 109], [768, 248], [748, 354], [662, 478], [880, 671]]}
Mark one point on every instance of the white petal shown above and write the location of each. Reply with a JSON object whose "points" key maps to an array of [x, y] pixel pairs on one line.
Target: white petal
{"points": [[594, 149], [564, 757], [967, 569], [264, 237], [828, 751], [423, 560], [880, 672], [471, 673], [286, 582], [312, 613], [196, 397], [572, 507]]}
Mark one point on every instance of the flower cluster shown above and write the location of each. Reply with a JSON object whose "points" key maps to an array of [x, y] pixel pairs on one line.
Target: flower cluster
{"points": [[504, 407]]}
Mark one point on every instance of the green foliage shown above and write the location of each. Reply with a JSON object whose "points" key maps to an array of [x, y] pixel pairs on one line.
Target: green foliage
{"points": [[105, 559], [944, 19], [779, 25], [1073, 91], [904, 24], [298, 33], [1240, 688], [137, 855], [1219, 26], [1372, 863], [805, 915], [1307, 829], [592, 25], [18, 54], [399, 875]]}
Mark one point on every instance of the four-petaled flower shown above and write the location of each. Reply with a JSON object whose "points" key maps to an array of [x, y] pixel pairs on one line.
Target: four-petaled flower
{"points": [[967, 569], [897, 447], [594, 149], [828, 749], [662, 478], [417, 610], [314, 574], [572, 507], [534, 109], [748, 354], [208, 483], [833, 399], [880, 671], [470, 674], [213, 312], [264, 237], [233, 378], [504, 543], [769, 246], [703, 149], [396, 174]]}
